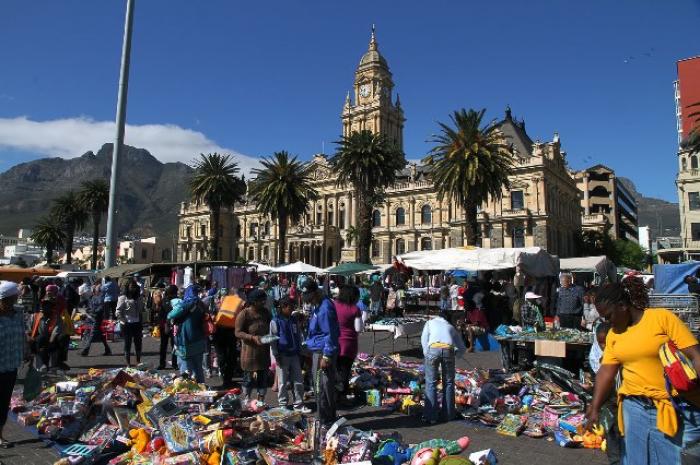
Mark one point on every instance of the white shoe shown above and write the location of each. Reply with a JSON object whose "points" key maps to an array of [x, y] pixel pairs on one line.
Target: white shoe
{"points": [[303, 409]]}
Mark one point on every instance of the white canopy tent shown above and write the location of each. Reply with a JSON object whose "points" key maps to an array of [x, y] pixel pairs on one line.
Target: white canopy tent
{"points": [[262, 268], [297, 267], [600, 265], [534, 261]]}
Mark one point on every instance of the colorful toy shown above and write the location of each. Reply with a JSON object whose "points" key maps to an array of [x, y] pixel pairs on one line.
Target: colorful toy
{"points": [[139, 439], [427, 456], [392, 452], [447, 446]]}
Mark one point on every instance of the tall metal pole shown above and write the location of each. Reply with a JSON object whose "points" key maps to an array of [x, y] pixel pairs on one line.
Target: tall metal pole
{"points": [[110, 249]]}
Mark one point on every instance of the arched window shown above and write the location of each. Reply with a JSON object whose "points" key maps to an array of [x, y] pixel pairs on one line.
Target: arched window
{"points": [[694, 162], [400, 246], [375, 248], [426, 243], [684, 164], [600, 191], [426, 214], [400, 216], [376, 218]]}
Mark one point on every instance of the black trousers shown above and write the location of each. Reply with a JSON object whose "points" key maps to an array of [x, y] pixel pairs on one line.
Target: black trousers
{"points": [[324, 387], [7, 384], [344, 370], [166, 338], [570, 321], [226, 353], [133, 332], [96, 335]]}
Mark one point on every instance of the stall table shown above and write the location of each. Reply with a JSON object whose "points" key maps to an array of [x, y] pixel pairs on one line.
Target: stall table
{"points": [[397, 329], [545, 349]]}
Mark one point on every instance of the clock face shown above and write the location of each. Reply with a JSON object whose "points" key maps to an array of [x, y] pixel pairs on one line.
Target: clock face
{"points": [[364, 90]]}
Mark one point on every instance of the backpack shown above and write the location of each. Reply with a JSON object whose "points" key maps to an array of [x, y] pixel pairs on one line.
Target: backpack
{"points": [[679, 373]]}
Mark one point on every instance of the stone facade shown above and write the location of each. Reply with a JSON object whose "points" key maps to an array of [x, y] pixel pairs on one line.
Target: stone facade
{"points": [[688, 185], [540, 209]]}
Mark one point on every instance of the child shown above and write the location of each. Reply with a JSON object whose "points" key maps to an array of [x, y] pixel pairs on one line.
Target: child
{"points": [[476, 323], [286, 351], [45, 334]]}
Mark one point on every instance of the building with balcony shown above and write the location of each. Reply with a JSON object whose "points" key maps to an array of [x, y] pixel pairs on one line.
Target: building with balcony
{"points": [[607, 204], [541, 207]]}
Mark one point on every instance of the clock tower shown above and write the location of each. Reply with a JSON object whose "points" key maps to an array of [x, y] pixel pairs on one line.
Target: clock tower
{"points": [[374, 107]]}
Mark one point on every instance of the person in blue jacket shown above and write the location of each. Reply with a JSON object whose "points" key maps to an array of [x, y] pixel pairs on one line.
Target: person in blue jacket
{"points": [[190, 341], [322, 342], [110, 295]]}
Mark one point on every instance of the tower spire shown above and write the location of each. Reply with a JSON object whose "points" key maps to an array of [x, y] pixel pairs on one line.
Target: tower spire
{"points": [[373, 40]]}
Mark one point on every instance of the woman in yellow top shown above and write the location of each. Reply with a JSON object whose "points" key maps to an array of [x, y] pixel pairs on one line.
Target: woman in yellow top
{"points": [[654, 431]]}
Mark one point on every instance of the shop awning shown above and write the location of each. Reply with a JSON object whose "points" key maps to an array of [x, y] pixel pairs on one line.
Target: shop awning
{"points": [[349, 269], [297, 267]]}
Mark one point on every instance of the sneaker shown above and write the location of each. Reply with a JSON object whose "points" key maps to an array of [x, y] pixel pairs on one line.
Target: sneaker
{"points": [[302, 409]]}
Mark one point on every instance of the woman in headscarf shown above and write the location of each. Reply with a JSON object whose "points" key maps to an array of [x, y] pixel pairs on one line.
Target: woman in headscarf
{"points": [[190, 340]]}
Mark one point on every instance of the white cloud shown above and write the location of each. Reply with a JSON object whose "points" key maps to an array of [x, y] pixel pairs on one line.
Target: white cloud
{"points": [[72, 137]]}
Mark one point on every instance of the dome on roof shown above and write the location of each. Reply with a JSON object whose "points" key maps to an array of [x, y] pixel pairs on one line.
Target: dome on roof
{"points": [[372, 55]]}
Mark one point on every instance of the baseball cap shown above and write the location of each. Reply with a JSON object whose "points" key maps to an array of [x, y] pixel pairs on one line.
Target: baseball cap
{"points": [[532, 295]]}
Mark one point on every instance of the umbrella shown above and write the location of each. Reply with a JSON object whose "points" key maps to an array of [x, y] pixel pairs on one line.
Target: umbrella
{"points": [[297, 267], [348, 269], [260, 267]]}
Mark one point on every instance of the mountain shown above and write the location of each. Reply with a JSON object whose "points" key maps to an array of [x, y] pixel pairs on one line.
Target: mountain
{"points": [[662, 217], [149, 193]]}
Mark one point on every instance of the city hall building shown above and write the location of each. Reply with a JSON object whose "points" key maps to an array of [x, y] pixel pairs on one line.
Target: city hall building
{"points": [[541, 207]]}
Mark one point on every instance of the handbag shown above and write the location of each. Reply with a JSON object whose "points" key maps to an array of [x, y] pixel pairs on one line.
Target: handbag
{"points": [[679, 373]]}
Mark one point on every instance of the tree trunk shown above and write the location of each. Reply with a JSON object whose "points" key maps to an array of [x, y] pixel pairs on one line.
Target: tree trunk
{"points": [[49, 253], [214, 244], [70, 232], [96, 218], [470, 223], [282, 237], [364, 228]]}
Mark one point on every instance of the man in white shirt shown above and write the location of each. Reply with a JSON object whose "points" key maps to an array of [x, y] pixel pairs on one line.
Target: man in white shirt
{"points": [[85, 292], [441, 343]]}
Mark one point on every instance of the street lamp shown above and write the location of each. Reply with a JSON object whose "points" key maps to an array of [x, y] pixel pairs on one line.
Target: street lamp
{"points": [[110, 252]]}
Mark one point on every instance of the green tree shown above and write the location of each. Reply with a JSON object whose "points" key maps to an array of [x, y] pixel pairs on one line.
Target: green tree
{"points": [[369, 162], [629, 254], [49, 234], [593, 243], [469, 163], [70, 214], [282, 189], [94, 197], [215, 184]]}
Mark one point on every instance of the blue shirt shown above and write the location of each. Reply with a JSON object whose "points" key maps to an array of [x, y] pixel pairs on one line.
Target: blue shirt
{"points": [[438, 330], [12, 335], [110, 291], [323, 329]]}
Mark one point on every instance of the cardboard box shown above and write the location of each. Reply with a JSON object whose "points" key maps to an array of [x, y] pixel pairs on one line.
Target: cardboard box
{"points": [[550, 348]]}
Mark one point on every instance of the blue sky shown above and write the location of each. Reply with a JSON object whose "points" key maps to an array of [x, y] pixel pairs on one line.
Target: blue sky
{"points": [[256, 77]]}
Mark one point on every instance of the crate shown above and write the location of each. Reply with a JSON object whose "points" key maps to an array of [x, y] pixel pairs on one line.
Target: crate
{"points": [[686, 307]]}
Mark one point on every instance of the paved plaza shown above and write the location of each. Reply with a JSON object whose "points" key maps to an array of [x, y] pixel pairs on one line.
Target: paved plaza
{"points": [[510, 451]]}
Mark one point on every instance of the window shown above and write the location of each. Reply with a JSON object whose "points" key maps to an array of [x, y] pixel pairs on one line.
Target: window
{"points": [[330, 218], [375, 248], [341, 219], [684, 164], [267, 228], [376, 218], [252, 230], [517, 201], [238, 230], [518, 236], [400, 216], [694, 162], [400, 246], [189, 231], [695, 231], [144, 253], [426, 215], [600, 191], [251, 253], [694, 200], [426, 243], [203, 230], [266, 252], [319, 218]]}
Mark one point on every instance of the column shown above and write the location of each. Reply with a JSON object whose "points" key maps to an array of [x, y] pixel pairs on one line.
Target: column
{"points": [[354, 210], [348, 209], [586, 205]]}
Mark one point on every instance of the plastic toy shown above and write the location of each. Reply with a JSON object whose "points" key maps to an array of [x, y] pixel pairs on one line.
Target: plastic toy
{"points": [[139, 439], [427, 456], [447, 446], [393, 450]]}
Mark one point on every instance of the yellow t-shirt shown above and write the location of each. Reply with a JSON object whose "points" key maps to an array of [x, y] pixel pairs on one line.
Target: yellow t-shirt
{"points": [[637, 351]]}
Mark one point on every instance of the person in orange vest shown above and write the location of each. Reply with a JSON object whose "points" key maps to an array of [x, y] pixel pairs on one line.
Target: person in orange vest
{"points": [[45, 333]]}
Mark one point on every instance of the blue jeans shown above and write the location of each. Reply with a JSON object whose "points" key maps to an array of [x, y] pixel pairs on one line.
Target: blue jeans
{"points": [[645, 444], [436, 359], [192, 364], [445, 304]]}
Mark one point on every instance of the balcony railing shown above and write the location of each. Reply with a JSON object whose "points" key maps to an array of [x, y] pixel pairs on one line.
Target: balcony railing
{"points": [[515, 213]]}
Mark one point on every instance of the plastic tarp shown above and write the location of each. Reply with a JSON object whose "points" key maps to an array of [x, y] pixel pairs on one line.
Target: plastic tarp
{"points": [[261, 268], [298, 267], [349, 269], [668, 279], [534, 261], [600, 265]]}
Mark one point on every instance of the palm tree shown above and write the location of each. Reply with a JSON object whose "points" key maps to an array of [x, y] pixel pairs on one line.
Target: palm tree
{"points": [[282, 189], [469, 163], [215, 184], [48, 233], [94, 197], [71, 216], [369, 162]]}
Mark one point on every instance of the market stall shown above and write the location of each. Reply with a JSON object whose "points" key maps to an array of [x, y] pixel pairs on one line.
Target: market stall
{"points": [[560, 347], [297, 267], [595, 270], [408, 327]]}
